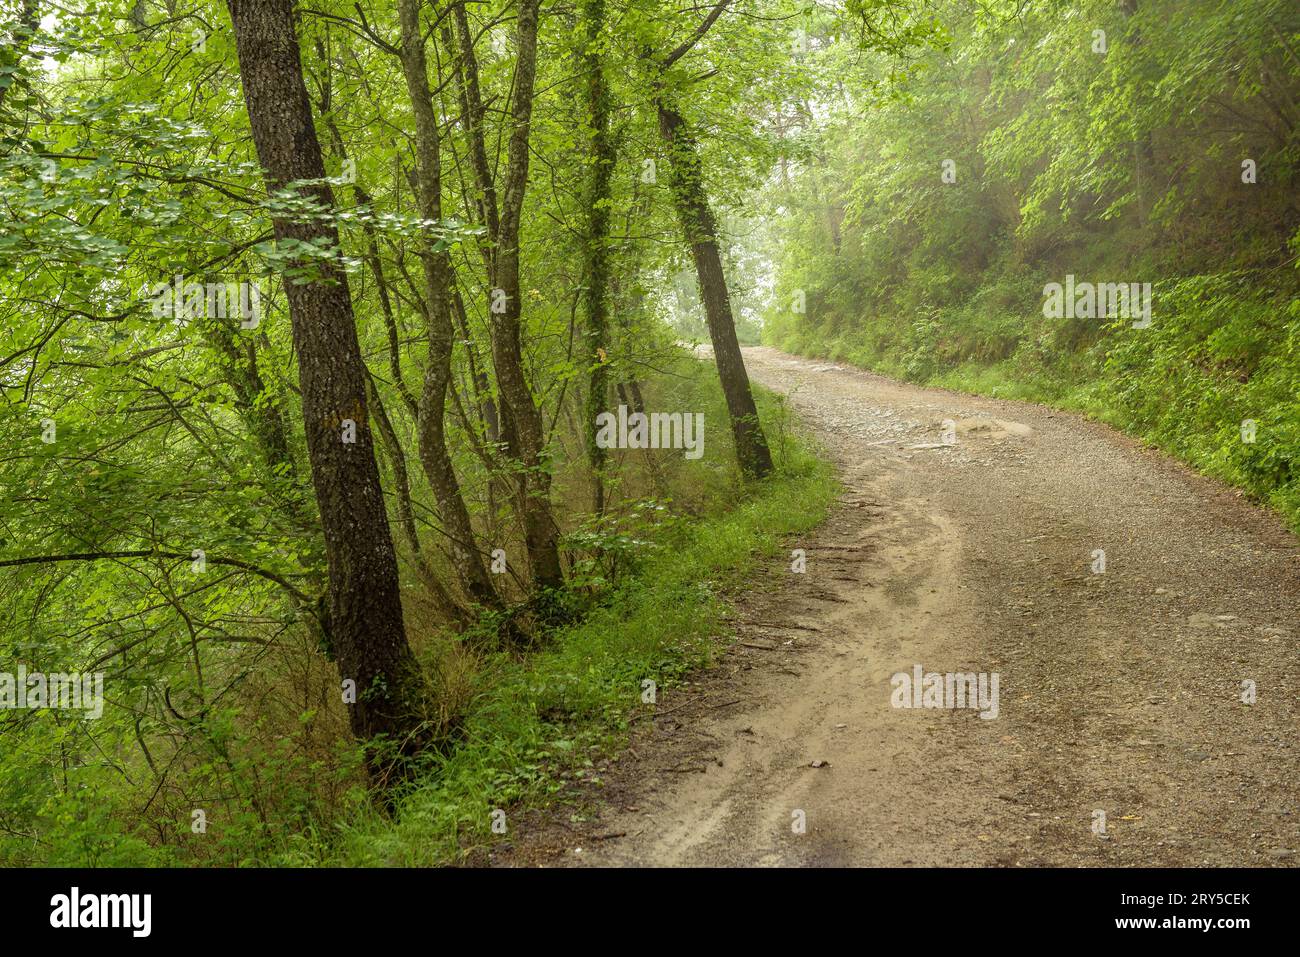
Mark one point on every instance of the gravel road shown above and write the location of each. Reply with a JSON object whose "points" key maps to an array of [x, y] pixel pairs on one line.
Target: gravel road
{"points": [[968, 540]]}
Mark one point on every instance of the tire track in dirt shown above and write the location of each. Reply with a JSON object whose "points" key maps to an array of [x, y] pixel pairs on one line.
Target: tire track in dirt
{"points": [[1120, 691]]}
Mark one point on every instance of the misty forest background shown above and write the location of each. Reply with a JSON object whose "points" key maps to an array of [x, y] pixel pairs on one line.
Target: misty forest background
{"points": [[633, 176]]}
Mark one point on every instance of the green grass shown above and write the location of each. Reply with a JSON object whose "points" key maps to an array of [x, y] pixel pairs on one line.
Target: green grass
{"points": [[538, 724], [281, 785]]}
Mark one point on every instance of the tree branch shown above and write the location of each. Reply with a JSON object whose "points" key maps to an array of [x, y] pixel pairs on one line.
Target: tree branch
{"points": [[686, 45], [148, 553]]}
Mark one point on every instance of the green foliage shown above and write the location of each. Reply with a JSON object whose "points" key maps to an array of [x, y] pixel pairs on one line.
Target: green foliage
{"points": [[143, 442], [540, 725], [1122, 162]]}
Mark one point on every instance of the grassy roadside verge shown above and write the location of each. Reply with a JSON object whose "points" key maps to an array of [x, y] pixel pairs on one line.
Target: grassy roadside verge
{"points": [[538, 723]]}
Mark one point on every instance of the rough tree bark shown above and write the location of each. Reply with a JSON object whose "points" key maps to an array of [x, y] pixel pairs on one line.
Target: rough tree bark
{"points": [[686, 180], [700, 228], [438, 282], [596, 286], [541, 535], [436, 593], [366, 635], [520, 420], [485, 196]]}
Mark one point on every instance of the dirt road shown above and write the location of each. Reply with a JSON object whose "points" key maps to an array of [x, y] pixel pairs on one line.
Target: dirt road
{"points": [[1120, 687]]}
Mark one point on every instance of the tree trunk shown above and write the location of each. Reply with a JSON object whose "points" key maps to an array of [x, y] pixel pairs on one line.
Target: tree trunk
{"points": [[366, 634], [700, 227], [436, 264], [472, 107], [596, 287], [438, 595], [520, 420], [541, 535]]}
